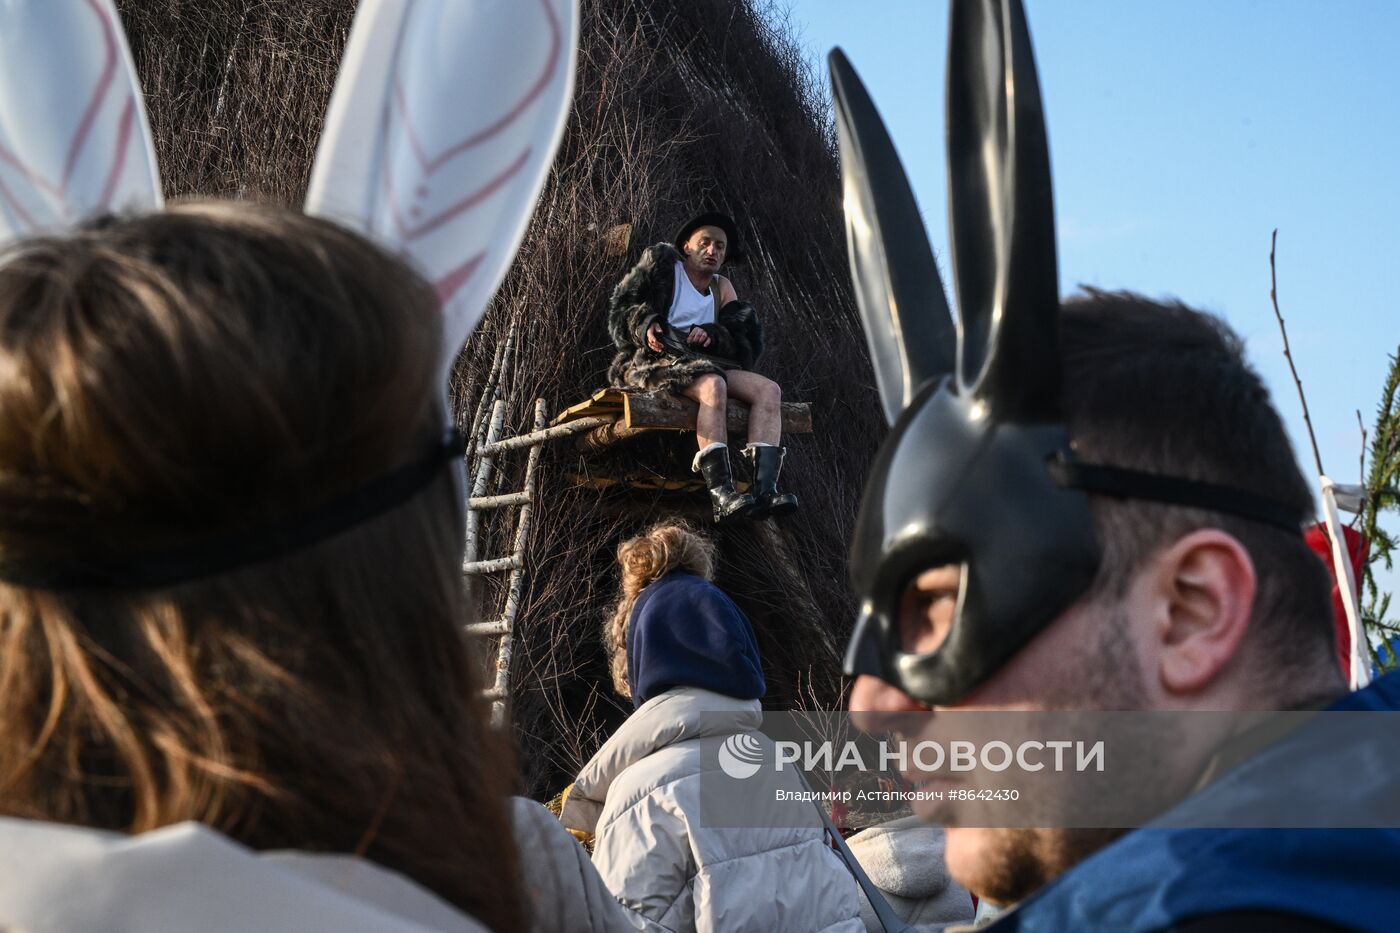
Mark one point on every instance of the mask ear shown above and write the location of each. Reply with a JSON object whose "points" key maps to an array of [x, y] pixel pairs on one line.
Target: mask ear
{"points": [[73, 136], [1003, 220], [440, 133], [902, 303]]}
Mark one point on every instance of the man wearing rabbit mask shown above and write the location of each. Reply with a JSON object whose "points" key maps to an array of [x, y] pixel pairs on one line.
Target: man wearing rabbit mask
{"points": [[1087, 506]]}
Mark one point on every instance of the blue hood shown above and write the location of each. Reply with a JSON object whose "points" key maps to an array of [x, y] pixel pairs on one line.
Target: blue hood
{"points": [[685, 632]]}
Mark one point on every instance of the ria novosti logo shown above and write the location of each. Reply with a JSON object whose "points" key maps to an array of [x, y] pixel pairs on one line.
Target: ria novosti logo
{"points": [[741, 756]]}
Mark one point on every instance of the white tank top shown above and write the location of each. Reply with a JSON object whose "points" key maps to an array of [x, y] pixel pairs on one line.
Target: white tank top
{"points": [[690, 307]]}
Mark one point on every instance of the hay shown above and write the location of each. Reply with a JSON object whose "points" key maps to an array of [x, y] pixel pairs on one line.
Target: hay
{"points": [[678, 106]]}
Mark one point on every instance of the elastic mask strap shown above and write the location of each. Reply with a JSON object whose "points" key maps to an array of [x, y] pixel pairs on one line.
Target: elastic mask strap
{"points": [[1171, 490], [256, 545]]}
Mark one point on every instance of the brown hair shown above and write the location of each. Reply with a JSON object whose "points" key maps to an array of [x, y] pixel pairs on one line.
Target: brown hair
{"points": [[1159, 386], [664, 547], [174, 377]]}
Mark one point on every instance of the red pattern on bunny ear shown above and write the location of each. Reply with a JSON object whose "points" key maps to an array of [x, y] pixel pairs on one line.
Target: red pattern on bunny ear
{"points": [[74, 141], [440, 134]]}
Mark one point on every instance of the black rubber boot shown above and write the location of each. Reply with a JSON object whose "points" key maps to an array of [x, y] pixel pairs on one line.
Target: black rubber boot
{"points": [[766, 463], [728, 502]]}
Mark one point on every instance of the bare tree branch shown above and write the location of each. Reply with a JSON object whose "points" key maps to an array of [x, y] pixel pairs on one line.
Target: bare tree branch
{"points": [[1361, 466], [1288, 353]]}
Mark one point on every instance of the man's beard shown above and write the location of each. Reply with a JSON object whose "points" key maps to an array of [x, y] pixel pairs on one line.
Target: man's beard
{"points": [[1006, 865], [1009, 865]]}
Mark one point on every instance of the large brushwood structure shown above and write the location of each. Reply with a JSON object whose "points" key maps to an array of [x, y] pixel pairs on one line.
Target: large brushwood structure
{"points": [[679, 106]]}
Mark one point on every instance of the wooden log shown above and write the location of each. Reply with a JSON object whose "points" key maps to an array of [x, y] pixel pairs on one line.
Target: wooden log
{"points": [[639, 412], [660, 411], [604, 436], [607, 435]]}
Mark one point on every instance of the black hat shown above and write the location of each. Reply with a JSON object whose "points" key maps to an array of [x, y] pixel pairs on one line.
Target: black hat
{"points": [[713, 219]]}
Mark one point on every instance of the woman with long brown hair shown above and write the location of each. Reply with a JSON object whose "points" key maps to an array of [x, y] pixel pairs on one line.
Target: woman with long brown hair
{"points": [[230, 586]]}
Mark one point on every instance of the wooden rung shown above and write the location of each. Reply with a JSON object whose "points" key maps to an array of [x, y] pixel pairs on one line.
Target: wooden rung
{"points": [[496, 627], [660, 411], [498, 502], [534, 438], [492, 566]]}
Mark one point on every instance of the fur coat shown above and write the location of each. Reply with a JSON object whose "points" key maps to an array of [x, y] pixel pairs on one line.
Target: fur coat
{"points": [[645, 296]]}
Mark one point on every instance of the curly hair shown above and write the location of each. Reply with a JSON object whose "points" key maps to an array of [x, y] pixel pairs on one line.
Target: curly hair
{"points": [[666, 546]]}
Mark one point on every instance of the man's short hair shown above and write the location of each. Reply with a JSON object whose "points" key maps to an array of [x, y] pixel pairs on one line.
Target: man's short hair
{"points": [[1161, 387]]}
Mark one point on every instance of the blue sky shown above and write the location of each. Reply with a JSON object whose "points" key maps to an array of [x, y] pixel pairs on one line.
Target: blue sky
{"points": [[1181, 134]]}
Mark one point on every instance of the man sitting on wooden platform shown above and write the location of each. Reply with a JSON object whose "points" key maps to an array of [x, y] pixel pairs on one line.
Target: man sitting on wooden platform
{"points": [[680, 327]]}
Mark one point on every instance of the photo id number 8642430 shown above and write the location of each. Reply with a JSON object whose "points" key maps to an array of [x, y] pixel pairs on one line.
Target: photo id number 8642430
{"points": [[967, 793]]}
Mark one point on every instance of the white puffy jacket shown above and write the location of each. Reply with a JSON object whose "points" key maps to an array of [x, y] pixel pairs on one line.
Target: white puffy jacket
{"points": [[904, 859], [674, 870], [71, 879], [563, 891]]}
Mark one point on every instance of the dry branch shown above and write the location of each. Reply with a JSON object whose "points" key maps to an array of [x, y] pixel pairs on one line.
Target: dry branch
{"points": [[1288, 353]]}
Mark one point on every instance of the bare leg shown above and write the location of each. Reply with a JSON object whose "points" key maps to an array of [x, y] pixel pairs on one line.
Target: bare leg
{"points": [[712, 461], [710, 392], [764, 451], [765, 400]]}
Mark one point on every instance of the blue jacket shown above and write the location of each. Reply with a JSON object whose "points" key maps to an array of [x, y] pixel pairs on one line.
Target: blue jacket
{"points": [[1158, 878]]}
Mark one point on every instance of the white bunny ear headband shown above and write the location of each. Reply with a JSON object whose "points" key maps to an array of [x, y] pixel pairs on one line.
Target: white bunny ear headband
{"points": [[73, 135], [441, 130]]}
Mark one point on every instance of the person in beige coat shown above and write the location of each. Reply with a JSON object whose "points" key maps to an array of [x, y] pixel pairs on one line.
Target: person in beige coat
{"points": [[678, 855]]}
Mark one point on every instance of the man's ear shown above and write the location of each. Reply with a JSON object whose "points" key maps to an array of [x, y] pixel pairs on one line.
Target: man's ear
{"points": [[1204, 593]]}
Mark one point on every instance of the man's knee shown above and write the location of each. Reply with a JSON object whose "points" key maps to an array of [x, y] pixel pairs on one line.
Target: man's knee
{"points": [[710, 389], [770, 393]]}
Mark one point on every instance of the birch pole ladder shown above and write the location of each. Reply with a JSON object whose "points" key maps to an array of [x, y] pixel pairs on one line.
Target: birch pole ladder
{"points": [[486, 448]]}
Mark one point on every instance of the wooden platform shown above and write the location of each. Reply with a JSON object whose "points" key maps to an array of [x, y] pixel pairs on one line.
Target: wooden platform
{"points": [[635, 413]]}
